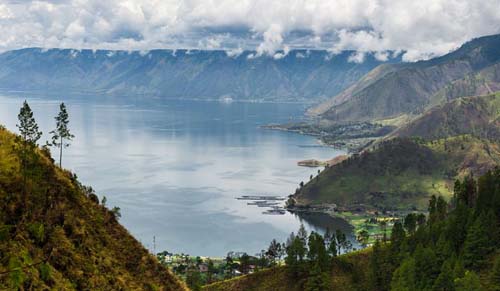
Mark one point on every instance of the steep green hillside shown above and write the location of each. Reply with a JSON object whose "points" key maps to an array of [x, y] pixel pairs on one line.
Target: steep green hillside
{"points": [[405, 89], [54, 235], [478, 116], [401, 173]]}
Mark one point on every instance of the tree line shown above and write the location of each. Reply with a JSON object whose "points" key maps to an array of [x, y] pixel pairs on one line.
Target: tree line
{"points": [[450, 249]]}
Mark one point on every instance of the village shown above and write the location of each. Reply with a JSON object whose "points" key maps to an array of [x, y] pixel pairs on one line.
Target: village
{"points": [[196, 270]]}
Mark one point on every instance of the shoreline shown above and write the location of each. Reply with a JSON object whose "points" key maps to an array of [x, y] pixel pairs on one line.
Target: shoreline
{"points": [[378, 225], [353, 145]]}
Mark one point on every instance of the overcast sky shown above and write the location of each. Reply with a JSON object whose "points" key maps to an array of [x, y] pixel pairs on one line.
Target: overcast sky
{"points": [[421, 28]]}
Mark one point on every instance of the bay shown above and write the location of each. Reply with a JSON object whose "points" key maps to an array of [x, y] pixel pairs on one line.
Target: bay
{"points": [[175, 167]]}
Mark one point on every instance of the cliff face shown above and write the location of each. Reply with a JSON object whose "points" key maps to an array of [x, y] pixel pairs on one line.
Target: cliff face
{"points": [[299, 76], [55, 235]]}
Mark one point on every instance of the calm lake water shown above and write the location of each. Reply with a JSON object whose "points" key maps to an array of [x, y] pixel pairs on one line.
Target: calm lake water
{"points": [[175, 167]]}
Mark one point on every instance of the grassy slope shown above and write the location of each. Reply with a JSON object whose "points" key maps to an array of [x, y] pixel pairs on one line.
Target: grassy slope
{"points": [[484, 82], [349, 273], [473, 115], [62, 230], [402, 173]]}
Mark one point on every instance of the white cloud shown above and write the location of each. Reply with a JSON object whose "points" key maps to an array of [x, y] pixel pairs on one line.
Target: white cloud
{"points": [[273, 40], [300, 55], [5, 12], [422, 28], [357, 57], [381, 56], [234, 53]]}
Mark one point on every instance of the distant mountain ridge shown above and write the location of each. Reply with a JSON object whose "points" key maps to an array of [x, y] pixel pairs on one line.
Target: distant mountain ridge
{"points": [[478, 116], [300, 75], [393, 90]]}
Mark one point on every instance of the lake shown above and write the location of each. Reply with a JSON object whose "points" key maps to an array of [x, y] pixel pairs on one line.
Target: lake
{"points": [[175, 167]]}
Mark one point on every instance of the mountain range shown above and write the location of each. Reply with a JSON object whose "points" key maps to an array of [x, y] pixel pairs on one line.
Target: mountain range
{"points": [[299, 76], [394, 90], [445, 115]]}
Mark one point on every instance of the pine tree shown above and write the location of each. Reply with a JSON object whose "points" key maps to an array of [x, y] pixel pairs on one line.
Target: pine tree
{"points": [[317, 280], [466, 192], [494, 278], [61, 135], [426, 267], [397, 237], [410, 223], [273, 251], [470, 282], [380, 270], [317, 252], [432, 208], [332, 247], [29, 133], [302, 233], [28, 128], [441, 208], [458, 270], [295, 253], [444, 249], [444, 281], [495, 275], [456, 228], [477, 243], [404, 276]]}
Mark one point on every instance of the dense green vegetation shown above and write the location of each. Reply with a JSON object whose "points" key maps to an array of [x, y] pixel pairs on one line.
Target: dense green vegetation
{"points": [[453, 248], [54, 233], [456, 249]]}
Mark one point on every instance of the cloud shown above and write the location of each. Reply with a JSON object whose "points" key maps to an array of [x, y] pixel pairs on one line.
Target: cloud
{"points": [[234, 53], [420, 29], [356, 57]]}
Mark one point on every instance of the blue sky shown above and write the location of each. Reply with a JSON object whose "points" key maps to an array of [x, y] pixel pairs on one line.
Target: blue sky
{"points": [[421, 29]]}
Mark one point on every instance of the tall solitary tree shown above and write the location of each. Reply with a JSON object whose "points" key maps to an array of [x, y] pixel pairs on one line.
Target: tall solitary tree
{"points": [[61, 136], [29, 133], [273, 252]]}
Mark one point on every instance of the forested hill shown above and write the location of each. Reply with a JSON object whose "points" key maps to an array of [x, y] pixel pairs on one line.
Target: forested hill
{"points": [[421, 158], [391, 91], [300, 75], [56, 235], [454, 248]]}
